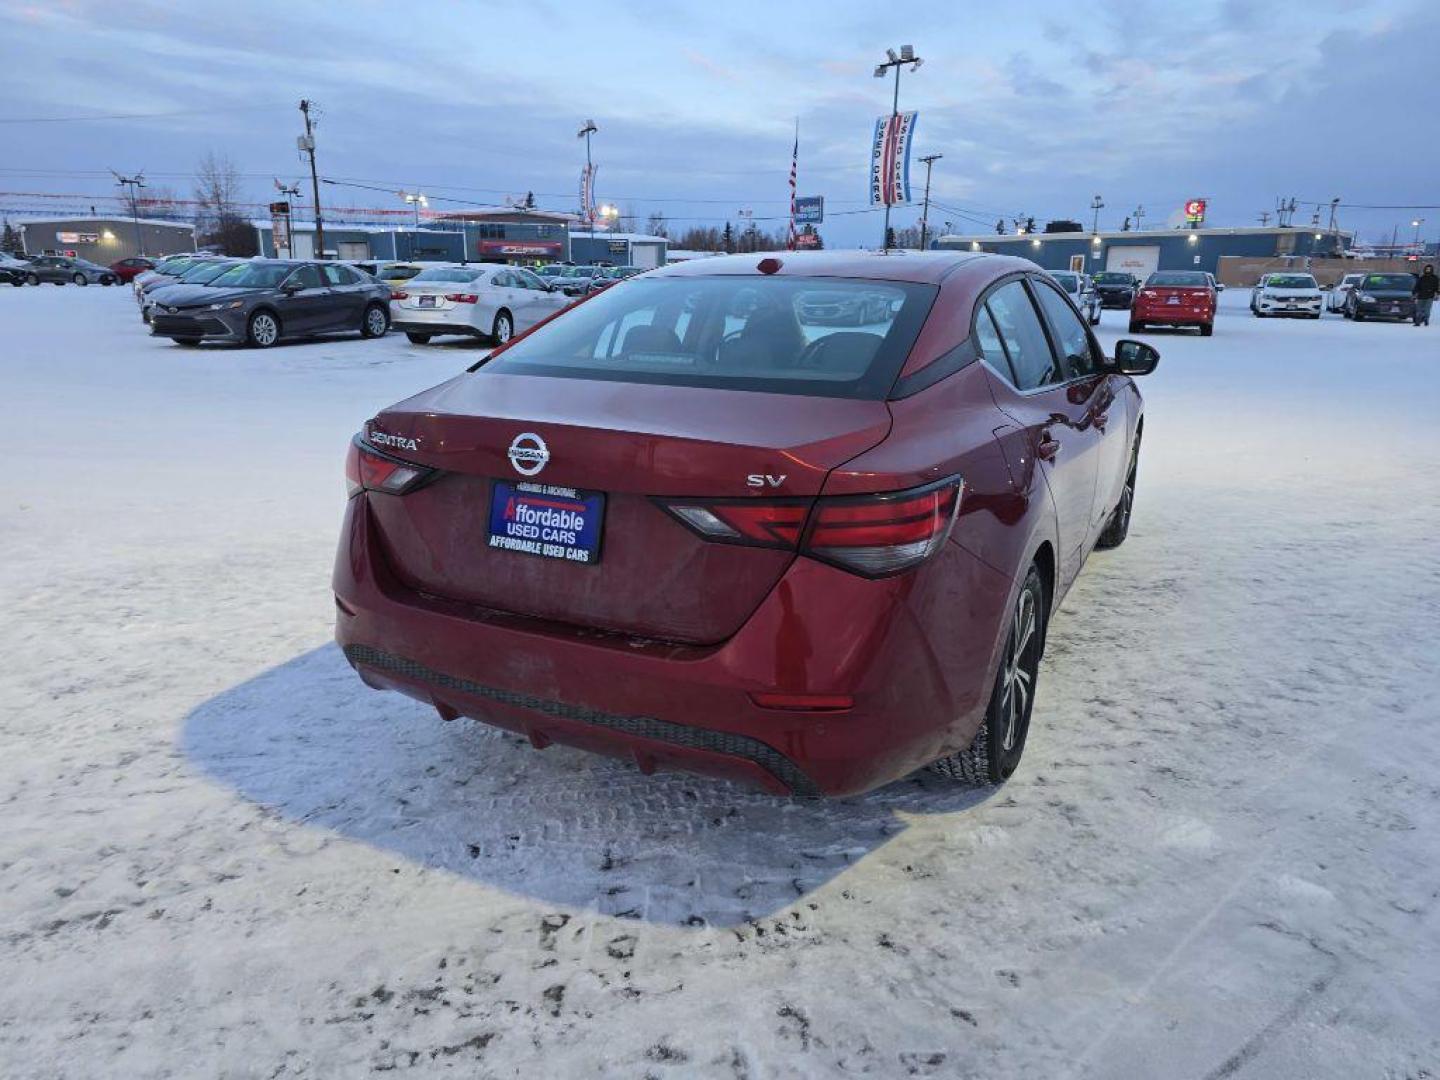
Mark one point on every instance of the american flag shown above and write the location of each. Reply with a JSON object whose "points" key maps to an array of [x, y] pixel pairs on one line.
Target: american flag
{"points": [[794, 162]]}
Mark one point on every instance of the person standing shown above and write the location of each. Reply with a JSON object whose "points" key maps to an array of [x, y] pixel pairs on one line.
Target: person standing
{"points": [[1426, 286]]}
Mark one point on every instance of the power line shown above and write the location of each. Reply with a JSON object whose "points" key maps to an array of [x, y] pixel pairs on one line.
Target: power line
{"points": [[135, 116]]}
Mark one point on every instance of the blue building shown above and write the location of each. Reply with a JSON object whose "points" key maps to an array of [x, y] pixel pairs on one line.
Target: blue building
{"points": [[501, 235], [618, 249], [1142, 252]]}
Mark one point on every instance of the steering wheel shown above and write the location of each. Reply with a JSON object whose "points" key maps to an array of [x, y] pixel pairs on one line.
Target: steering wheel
{"points": [[810, 355]]}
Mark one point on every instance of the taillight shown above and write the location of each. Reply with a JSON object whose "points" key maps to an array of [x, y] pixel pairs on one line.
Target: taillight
{"points": [[1149, 293], [368, 470], [399, 294], [878, 535], [870, 535], [462, 297]]}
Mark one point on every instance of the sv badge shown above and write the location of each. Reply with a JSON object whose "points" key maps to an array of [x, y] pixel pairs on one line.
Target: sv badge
{"points": [[760, 480]]}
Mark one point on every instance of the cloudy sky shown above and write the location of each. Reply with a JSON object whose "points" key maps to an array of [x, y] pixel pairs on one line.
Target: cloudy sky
{"points": [[1036, 107]]}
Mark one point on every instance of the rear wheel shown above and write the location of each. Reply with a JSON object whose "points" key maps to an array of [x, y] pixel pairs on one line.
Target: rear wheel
{"points": [[1136, 327], [1118, 527], [417, 339], [80, 279], [995, 753], [504, 328], [1207, 329], [376, 322], [263, 329]]}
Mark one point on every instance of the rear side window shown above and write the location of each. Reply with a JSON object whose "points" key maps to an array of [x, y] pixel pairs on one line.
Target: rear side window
{"points": [[307, 275], [1077, 354], [1031, 363], [826, 337]]}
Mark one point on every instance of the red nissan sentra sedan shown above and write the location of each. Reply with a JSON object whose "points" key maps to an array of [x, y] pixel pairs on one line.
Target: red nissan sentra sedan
{"points": [[686, 523], [1175, 298]]}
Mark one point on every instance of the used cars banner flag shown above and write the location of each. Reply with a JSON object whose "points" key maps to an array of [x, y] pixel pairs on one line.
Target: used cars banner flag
{"points": [[890, 159]]}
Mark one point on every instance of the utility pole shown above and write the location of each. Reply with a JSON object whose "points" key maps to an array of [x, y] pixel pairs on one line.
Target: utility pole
{"points": [[1264, 218], [132, 185], [1138, 216], [1097, 204], [1334, 206], [929, 160], [307, 143], [588, 188], [907, 56]]}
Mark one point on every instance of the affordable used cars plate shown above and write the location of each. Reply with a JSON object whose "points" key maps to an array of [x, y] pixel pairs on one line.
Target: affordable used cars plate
{"points": [[551, 522]]}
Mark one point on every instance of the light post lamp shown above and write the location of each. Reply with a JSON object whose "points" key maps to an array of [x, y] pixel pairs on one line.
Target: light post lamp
{"points": [[132, 186], [1096, 204], [416, 199], [907, 56], [1416, 225]]}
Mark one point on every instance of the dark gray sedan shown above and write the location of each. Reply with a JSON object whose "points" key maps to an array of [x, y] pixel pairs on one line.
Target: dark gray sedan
{"points": [[264, 300], [63, 270]]}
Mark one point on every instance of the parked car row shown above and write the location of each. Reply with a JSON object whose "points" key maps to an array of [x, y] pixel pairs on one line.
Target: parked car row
{"points": [[55, 270]]}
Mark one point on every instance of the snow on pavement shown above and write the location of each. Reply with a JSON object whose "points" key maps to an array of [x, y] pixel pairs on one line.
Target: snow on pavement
{"points": [[222, 855]]}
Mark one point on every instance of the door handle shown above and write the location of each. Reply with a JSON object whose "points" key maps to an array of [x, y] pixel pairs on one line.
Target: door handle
{"points": [[1047, 448]]}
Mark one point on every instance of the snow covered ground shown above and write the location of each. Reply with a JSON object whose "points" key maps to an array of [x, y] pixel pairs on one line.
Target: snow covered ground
{"points": [[221, 855]]}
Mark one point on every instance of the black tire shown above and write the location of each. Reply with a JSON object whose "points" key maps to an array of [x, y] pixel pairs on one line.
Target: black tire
{"points": [[987, 760], [504, 328], [32, 279], [1208, 329], [80, 279], [417, 339], [1118, 527], [189, 342], [1357, 316], [263, 329], [370, 326], [1136, 327]]}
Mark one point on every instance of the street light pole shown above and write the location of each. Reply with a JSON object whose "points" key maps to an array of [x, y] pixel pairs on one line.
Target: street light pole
{"points": [[416, 199], [589, 193], [929, 160], [907, 56], [1097, 205], [1417, 223]]}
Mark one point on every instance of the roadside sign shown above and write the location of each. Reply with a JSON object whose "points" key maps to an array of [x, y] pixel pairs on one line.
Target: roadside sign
{"points": [[807, 240], [1195, 211], [809, 210]]}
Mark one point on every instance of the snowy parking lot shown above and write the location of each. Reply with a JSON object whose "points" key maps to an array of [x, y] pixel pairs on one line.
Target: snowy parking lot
{"points": [[223, 855]]}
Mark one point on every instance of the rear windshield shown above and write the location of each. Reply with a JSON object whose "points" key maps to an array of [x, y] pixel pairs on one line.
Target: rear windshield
{"points": [[815, 336], [1389, 282], [1068, 282], [1180, 280], [1291, 281], [1107, 278], [254, 275], [454, 275]]}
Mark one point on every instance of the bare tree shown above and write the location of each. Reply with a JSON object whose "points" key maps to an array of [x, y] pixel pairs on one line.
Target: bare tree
{"points": [[655, 224], [159, 202], [218, 220]]}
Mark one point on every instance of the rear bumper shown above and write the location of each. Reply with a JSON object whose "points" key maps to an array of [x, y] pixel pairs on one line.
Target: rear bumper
{"points": [[436, 327], [919, 671], [1164, 314]]}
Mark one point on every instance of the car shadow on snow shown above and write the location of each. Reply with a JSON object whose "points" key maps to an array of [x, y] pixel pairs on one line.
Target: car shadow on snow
{"points": [[309, 742]]}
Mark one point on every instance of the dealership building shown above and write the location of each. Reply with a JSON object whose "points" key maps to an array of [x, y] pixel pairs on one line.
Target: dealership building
{"points": [[501, 235], [104, 240], [1141, 252]]}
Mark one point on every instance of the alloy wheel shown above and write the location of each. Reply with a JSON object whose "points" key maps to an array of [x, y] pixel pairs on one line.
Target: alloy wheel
{"points": [[1022, 659], [503, 329], [264, 329], [375, 322]]}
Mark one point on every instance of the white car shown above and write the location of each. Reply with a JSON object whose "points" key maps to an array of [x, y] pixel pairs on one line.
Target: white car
{"points": [[1336, 300], [484, 301], [1286, 294]]}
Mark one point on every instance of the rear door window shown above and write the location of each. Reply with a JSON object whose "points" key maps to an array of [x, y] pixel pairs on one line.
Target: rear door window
{"points": [[1032, 364]]}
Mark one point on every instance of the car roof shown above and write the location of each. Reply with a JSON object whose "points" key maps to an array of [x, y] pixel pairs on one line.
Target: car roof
{"points": [[928, 267]]}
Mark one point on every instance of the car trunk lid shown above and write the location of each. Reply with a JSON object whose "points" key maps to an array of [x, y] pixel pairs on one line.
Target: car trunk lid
{"points": [[637, 444]]}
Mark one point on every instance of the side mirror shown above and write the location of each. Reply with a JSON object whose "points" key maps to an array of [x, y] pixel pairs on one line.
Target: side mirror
{"points": [[1219, 287], [1135, 357], [290, 288]]}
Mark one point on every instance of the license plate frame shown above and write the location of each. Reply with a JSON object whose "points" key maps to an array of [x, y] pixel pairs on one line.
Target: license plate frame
{"points": [[427, 301], [539, 520]]}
